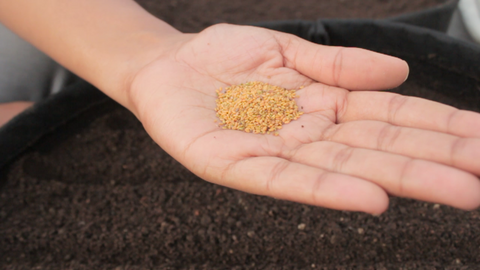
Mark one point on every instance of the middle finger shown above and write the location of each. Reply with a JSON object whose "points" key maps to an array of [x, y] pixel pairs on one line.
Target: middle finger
{"points": [[462, 153]]}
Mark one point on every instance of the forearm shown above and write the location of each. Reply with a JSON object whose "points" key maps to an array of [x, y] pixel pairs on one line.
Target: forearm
{"points": [[103, 41]]}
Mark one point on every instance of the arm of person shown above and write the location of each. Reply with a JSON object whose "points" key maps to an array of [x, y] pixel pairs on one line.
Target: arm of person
{"points": [[105, 42], [349, 150]]}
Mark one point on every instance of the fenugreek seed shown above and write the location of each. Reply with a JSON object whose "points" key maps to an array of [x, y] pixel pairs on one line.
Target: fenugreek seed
{"points": [[256, 107]]}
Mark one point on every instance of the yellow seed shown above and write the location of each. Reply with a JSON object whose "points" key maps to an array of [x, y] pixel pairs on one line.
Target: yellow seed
{"points": [[256, 107]]}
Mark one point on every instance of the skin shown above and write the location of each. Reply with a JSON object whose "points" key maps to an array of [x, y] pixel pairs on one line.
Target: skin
{"points": [[11, 109], [351, 149]]}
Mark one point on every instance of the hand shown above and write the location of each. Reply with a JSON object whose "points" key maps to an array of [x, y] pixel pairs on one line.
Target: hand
{"points": [[348, 151]]}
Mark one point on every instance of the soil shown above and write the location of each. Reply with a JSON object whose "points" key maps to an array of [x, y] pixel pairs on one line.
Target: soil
{"points": [[107, 197]]}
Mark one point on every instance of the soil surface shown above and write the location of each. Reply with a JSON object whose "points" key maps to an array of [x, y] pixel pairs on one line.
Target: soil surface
{"points": [[107, 197]]}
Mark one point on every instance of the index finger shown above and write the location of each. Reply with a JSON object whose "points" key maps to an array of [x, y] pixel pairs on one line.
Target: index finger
{"points": [[349, 68]]}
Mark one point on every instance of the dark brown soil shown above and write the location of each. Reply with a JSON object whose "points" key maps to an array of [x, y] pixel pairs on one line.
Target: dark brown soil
{"points": [[106, 197]]}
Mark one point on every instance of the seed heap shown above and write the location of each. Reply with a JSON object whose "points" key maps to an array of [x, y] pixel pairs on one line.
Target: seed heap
{"points": [[256, 107]]}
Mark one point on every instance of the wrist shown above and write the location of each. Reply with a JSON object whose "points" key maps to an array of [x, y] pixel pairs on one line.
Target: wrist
{"points": [[150, 73], [148, 46]]}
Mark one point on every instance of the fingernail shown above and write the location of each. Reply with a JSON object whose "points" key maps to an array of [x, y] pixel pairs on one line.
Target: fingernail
{"points": [[408, 71]]}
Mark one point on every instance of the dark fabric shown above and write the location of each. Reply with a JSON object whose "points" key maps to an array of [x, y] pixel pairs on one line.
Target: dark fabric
{"points": [[308, 30], [436, 18], [46, 117]]}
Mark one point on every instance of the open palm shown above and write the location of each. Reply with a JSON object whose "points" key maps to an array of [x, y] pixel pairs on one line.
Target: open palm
{"points": [[348, 151]]}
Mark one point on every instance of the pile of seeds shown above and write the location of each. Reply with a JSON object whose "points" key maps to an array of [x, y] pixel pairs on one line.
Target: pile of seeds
{"points": [[256, 107]]}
